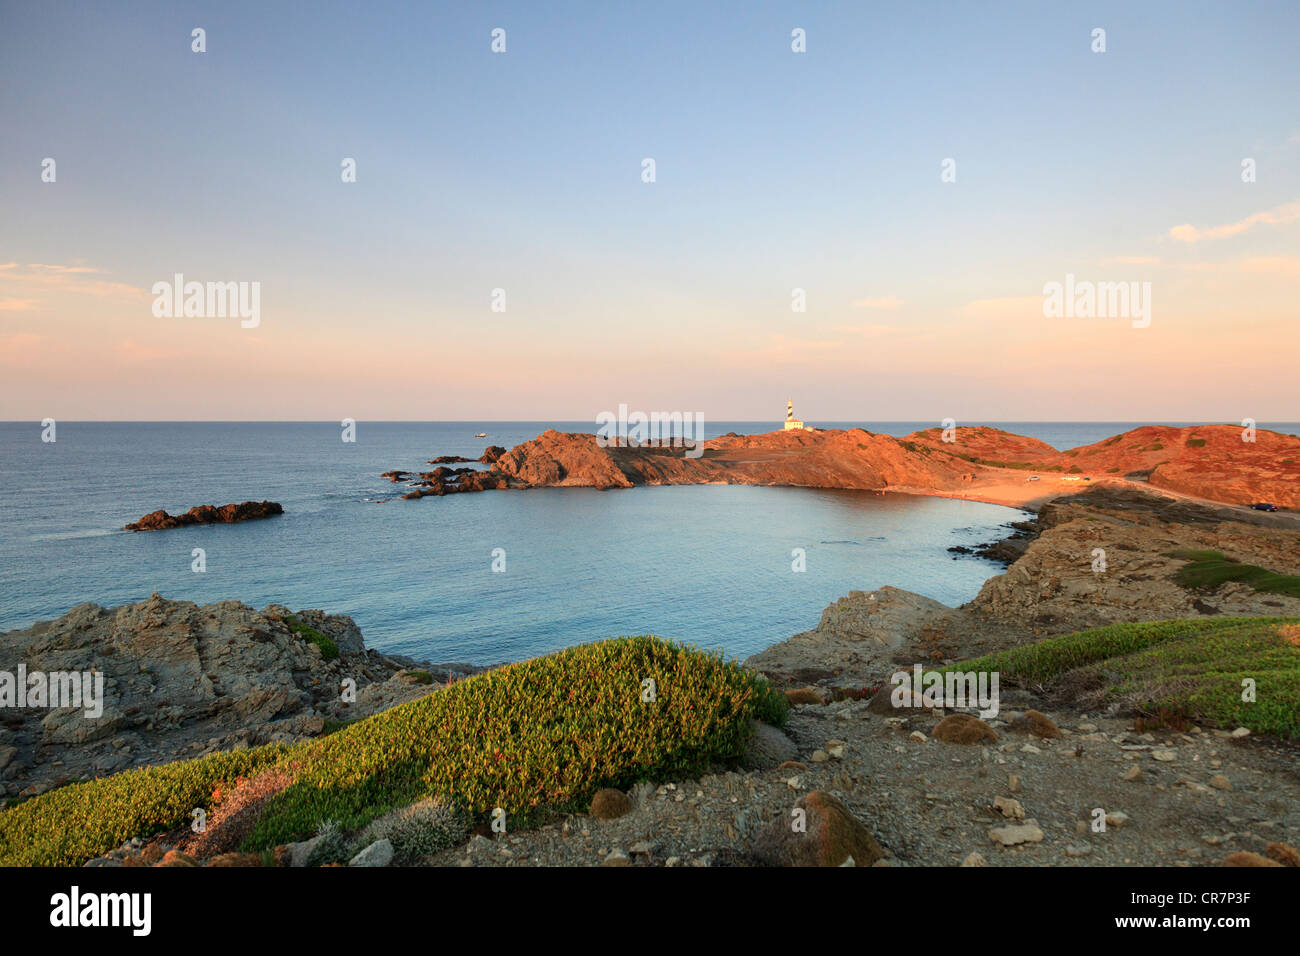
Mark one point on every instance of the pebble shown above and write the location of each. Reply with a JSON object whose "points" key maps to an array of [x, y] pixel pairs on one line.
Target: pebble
{"points": [[1220, 782], [1164, 756], [1009, 808], [1133, 774], [975, 859]]}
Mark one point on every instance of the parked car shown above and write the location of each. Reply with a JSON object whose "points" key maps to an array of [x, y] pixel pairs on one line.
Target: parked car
{"points": [[1032, 478], [1264, 506]]}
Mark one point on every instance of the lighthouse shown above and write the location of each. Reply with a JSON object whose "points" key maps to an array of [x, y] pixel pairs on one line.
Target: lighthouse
{"points": [[791, 422]]}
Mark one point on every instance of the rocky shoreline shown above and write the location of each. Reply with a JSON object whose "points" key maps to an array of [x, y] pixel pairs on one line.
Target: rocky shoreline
{"points": [[186, 680], [1210, 462], [183, 680]]}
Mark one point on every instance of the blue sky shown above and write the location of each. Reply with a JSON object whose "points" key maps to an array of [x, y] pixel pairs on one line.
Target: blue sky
{"points": [[521, 170]]}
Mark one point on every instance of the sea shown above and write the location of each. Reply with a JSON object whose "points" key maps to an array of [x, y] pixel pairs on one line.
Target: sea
{"points": [[474, 578]]}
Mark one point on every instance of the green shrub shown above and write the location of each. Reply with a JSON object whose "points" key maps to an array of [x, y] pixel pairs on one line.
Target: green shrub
{"points": [[530, 737], [1196, 443], [1210, 569], [419, 830], [328, 649], [70, 825], [1195, 667], [533, 738]]}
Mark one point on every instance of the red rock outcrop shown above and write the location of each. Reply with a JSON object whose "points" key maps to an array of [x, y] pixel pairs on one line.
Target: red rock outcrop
{"points": [[983, 463], [1205, 461], [208, 514]]}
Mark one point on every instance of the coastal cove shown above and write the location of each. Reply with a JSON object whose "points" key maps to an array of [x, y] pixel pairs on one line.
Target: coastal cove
{"points": [[706, 564], [689, 563]]}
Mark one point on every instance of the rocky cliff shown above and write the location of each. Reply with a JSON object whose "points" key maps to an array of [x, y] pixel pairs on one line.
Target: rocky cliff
{"points": [[182, 680]]}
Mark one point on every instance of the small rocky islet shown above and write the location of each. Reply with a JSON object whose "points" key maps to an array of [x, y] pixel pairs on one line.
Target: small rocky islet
{"points": [[207, 514]]}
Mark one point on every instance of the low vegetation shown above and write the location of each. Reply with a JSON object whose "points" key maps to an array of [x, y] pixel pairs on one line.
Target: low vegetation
{"points": [[328, 649], [1198, 667], [1209, 569], [70, 825], [534, 738]]}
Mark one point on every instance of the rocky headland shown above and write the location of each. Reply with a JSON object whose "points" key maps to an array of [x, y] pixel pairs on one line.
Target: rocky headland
{"points": [[1210, 462]]}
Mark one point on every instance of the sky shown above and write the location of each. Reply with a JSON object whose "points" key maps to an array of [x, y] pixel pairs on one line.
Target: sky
{"points": [[774, 171]]}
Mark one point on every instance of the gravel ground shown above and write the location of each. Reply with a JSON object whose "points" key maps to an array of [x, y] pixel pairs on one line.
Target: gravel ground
{"points": [[1197, 797]]}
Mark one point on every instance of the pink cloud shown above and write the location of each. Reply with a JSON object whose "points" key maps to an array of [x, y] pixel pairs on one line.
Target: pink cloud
{"points": [[1289, 212]]}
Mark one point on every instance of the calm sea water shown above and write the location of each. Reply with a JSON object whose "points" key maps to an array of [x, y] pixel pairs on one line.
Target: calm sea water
{"points": [[709, 565]]}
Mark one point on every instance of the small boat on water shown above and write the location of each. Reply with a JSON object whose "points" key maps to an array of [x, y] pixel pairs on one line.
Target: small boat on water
{"points": [[481, 435]]}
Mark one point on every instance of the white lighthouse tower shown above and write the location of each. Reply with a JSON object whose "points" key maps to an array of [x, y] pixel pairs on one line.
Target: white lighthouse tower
{"points": [[790, 421]]}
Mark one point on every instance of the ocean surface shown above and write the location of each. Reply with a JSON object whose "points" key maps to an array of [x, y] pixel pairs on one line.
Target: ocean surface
{"points": [[708, 565]]}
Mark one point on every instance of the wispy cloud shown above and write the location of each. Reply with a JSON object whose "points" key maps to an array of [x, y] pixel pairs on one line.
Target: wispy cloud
{"points": [[1272, 265], [1131, 261], [43, 278], [1258, 265], [1290, 212], [17, 305]]}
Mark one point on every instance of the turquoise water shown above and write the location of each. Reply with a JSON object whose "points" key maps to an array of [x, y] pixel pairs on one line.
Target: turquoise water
{"points": [[709, 565]]}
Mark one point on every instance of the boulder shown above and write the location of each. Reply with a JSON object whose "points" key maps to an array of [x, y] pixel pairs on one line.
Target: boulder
{"points": [[379, 853], [1017, 833], [768, 747], [830, 835]]}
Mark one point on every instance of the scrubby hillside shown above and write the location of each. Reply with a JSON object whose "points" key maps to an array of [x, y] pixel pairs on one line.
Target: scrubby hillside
{"points": [[1225, 672], [530, 738]]}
